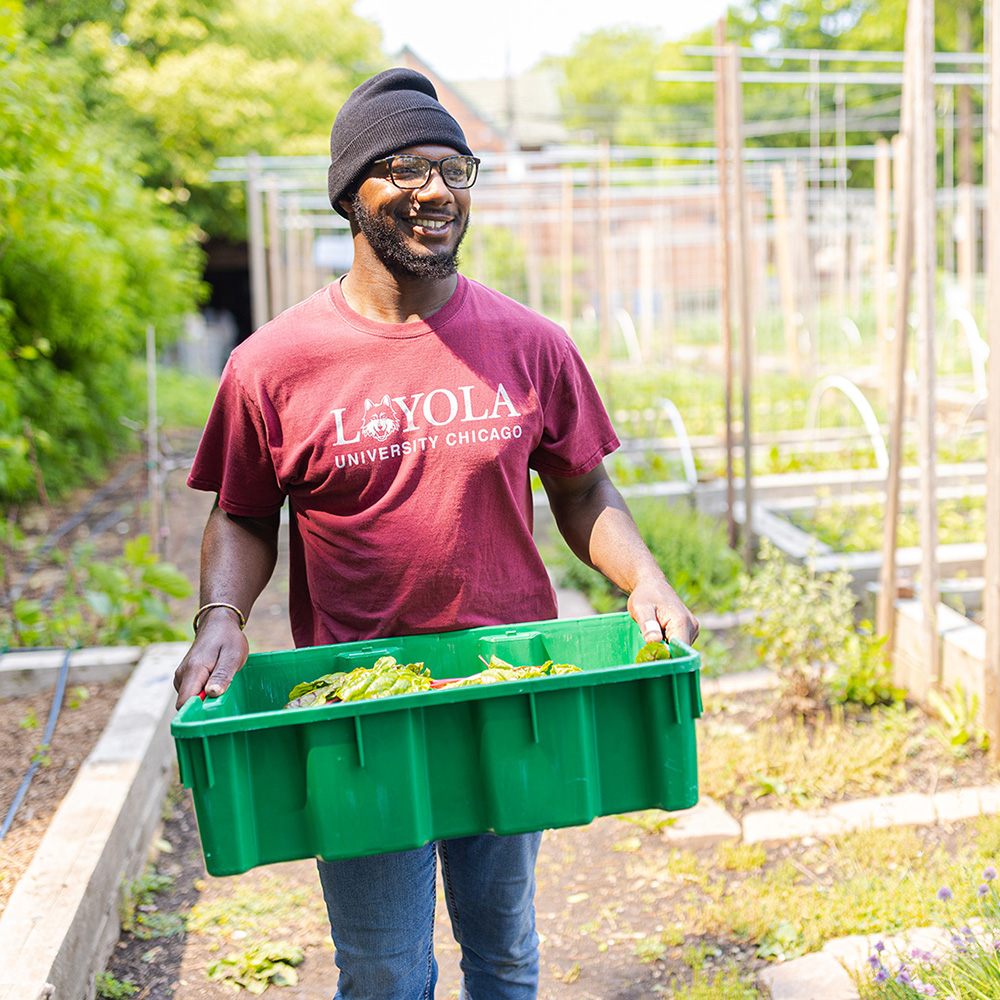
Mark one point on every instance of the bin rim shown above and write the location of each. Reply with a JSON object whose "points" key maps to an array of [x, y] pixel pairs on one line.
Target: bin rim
{"points": [[197, 719]]}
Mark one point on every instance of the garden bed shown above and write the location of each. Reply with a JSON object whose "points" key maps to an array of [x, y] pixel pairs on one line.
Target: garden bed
{"points": [[84, 715]]}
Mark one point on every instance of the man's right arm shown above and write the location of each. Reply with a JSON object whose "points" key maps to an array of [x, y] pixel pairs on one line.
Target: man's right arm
{"points": [[238, 555]]}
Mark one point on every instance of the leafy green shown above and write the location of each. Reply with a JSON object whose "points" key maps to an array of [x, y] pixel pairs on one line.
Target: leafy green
{"points": [[653, 651]]}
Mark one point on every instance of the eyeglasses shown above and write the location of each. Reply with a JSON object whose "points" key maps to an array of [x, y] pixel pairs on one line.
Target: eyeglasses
{"points": [[411, 172]]}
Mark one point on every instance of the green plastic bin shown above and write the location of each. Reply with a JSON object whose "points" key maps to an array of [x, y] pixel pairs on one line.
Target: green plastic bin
{"points": [[369, 777]]}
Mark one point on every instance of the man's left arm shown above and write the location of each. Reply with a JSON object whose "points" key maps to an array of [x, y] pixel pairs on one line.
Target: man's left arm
{"points": [[595, 521]]}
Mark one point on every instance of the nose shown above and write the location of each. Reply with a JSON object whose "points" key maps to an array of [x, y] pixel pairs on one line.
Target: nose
{"points": [[434, 186]]}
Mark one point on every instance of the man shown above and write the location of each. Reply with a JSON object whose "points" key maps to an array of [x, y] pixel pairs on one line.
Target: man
{"points": [[399, 411]]}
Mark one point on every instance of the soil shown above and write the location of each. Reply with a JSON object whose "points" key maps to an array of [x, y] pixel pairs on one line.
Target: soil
{"points": [[604, 894], [84, 713]]}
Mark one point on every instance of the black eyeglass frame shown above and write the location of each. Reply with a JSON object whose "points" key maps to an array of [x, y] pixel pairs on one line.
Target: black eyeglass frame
{"points": [[431, 164]]}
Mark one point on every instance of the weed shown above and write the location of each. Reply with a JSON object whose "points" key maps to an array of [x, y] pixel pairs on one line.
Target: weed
{"points": [[650, 949], [259, 966], [109, 988], [804, 628], [728, 983], [650, 820], [118, 602], [740, 857], [956, 726], [138, 893], [29, 720], [77, 696], [796, 763], [41, 755]]}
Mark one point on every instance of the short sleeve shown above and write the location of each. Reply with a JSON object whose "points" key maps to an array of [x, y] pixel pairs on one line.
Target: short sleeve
{"points": [[233, 458], [577, 433]]}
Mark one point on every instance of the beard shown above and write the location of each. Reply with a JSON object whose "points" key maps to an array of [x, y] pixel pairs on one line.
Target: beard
{"points": [[390, 247]]}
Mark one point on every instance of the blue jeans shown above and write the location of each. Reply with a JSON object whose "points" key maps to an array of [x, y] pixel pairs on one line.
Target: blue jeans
{"points": [[381, 912]]}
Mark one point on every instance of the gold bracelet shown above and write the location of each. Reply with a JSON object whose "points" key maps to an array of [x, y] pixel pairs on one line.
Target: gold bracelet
{"points": [[218, 604]]}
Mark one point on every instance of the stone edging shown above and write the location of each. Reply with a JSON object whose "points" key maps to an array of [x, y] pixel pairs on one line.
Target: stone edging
{"points": [[61, 921]]}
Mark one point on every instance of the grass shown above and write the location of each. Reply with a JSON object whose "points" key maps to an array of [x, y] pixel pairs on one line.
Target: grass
{"points": [[873, 881], [794, 764]]}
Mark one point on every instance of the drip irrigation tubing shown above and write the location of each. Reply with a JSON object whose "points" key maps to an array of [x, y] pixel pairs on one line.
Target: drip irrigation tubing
{"points": [[50, 725], [72, 522]]}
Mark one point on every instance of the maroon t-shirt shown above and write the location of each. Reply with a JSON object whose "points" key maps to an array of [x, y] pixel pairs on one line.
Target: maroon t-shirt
{"points": [[404, 451]]}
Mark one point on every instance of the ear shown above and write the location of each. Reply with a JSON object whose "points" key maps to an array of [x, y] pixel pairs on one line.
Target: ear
{"points": [[386, 401], [368, 405], [347, 205]]}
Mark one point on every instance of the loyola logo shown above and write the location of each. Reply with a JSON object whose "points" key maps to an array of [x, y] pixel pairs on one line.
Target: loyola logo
{"points": [[437, 408]]}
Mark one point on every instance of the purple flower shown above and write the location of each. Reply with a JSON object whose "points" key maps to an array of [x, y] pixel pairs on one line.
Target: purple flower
{"points": [[903, 976], [882, 975], [958, 943], [945, 893], [926, 989], [879, 946], [990, 873], [983, 890], [874, 961]]}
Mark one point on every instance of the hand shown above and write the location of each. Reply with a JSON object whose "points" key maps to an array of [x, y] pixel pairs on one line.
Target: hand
{"points": [[661, 614], [219, 649]]}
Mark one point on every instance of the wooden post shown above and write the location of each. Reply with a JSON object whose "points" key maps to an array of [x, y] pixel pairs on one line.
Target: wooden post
{"points": [[532, 254], [274, 261], [293, 262], [786, 269], [310, 281], [647, 264], [725, 278], [153, 446], [605, 260], [966, 223], [886, 602], [880, 270], [808, 306], [734, 120], [991, 593], [566, 252], [259, 308]]}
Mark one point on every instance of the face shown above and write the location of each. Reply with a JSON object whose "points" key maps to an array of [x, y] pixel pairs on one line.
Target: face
{"points": [[415, 234]]}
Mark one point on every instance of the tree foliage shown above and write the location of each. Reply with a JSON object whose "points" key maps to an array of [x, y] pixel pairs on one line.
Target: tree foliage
{"points": [[187, 81], [88, 259], [611, 90]]}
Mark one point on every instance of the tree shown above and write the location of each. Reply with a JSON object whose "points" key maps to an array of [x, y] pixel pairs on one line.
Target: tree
{"points": [[88, 259], [186, 81]]}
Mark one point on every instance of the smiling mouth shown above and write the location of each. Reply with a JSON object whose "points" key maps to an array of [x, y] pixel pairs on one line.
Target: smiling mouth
{"points": [[431, 225]]}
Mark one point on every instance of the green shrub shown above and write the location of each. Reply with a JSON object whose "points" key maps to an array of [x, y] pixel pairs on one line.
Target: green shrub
{"points": [[89, 259], [805, 631], [689, 546]]}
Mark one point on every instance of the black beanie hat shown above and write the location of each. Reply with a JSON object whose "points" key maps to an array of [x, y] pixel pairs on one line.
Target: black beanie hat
{"points": [[394, 109]]}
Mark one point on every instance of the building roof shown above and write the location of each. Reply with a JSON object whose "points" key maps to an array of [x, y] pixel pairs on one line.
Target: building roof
{"points": [[517, 112]]}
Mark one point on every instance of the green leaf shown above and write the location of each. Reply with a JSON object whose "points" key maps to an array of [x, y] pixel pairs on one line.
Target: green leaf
{"points": [[653, 651]]}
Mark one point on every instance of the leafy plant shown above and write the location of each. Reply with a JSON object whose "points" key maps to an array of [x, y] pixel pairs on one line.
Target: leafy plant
{"points": [[109, 988], [689, 545], [126, 598], [781, 942], [259, 966], [138, 893], [957, 725], [804, 630]]}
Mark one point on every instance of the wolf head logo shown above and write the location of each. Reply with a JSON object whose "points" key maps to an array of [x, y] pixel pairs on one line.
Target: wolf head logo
{"points": [[380, 420]]}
